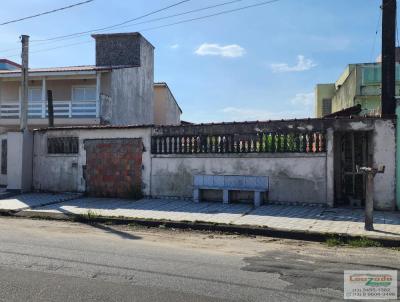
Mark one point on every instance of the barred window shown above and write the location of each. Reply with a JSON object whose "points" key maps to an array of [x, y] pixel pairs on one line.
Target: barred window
{"points": [[62, 145], [326, 106]]}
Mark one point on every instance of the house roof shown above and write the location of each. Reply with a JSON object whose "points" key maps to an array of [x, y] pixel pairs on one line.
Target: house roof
{"points": [[6, 61], [351, 111], [56, 69]]}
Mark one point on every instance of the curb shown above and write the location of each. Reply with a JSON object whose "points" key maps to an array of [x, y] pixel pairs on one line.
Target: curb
{"points": [[206, 226]]}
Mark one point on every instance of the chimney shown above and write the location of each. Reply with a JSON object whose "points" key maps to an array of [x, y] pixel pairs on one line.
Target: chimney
{"points": [[121, 49]]}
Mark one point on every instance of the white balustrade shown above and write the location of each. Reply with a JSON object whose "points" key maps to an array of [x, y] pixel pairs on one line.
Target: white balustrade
{"points": [[62, 109]]}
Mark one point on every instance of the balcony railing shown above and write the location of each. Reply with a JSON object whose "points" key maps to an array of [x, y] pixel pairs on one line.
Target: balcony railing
{"points": [[62, 109]]}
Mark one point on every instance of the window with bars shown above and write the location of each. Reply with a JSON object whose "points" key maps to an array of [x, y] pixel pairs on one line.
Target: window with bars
{"points": [[62, 145], [326, 106]]}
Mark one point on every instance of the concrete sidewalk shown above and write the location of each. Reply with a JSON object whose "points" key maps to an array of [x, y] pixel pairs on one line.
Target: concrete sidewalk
{"points": [[340, 221], [33, 200]]}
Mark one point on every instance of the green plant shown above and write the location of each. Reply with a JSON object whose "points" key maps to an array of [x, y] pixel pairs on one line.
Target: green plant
{"points": [[90, 215], [364, 242], [334, 241]]}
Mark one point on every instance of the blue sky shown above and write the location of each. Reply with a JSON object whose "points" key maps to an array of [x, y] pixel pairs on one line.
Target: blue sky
{"points": [[256, 64]]}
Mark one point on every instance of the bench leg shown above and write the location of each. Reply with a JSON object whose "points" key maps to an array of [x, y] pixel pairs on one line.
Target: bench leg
{"points": [[257, 199], [196, 195], [226, 196]]}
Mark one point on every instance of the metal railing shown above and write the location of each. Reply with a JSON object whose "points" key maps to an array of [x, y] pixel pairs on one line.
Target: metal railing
{"points": [[62, 109]]}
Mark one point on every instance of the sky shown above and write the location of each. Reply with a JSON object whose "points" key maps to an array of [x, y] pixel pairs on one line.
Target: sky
{"points": [[260, 63]]}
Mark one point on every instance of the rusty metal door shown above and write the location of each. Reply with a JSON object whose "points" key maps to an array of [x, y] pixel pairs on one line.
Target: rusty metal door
{"points": [[350, 185], [114, 167]]}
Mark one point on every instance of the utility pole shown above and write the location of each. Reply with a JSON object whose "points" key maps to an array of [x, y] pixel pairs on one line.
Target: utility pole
{"points": [[388, 57], [24, 83]]}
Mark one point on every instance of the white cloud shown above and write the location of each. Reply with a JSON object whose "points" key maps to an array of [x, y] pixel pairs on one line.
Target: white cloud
{"points": [[300, 106], [302, 64], [174, 46], [228, 51], [250, 114], [303, 99]]}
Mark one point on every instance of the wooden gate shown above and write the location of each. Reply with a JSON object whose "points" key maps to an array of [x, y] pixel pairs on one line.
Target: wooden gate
{"points": [[114, 167]]}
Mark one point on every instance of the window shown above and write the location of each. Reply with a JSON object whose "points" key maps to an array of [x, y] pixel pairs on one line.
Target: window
{"points": [[62, 145], [84, 93], [326, 106], [371, 74], [35, 94], [4, 157]]}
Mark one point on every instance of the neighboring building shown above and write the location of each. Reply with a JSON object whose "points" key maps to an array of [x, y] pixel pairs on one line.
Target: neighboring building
{"points": [[166, 108], [359, 84], [118, 90], [8, 65]]}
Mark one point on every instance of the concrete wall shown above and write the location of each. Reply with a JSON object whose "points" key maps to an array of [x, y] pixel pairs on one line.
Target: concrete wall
{"points": [[132, 91], [9, 91], [344, 97], [323, 91], [293, 177], [61, 173], [384, 153], [166, 109]]}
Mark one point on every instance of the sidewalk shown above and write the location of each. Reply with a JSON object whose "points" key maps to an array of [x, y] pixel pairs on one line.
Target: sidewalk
{"points": [[32, 200], [317, 220]]}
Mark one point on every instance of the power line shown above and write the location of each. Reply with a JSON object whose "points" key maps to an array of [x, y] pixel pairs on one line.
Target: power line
{"points": [[212, 15], [376, 32], [176, 23], [115, 25], [46, 13], [72, 36], [52, 48]]}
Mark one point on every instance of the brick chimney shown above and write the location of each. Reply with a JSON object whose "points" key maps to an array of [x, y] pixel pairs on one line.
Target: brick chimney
{"points": [[120, 49]]}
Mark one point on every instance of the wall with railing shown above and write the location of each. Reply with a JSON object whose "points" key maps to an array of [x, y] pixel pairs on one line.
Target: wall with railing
{"points": [[291, 153], [297, 156]]}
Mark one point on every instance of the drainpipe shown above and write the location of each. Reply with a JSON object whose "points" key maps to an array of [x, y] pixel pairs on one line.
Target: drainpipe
{"points": [[398, 154]]}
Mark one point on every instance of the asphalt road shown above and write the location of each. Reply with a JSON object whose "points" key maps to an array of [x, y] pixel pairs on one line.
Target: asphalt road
{"points": [[59, 261]]}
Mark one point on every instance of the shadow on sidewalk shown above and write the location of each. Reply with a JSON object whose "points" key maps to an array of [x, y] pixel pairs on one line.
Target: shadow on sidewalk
{"points": [[129, 208]]}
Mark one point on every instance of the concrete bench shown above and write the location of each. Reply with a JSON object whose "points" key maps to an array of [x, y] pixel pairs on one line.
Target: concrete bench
{"points": [[226, 183]]}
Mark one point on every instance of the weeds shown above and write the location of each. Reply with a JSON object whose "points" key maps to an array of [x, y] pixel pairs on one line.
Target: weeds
{"points": [[364, 242], [352, 242]]}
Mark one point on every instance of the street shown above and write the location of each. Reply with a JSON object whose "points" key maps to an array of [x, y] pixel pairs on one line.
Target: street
{"points": [[62, 261]]}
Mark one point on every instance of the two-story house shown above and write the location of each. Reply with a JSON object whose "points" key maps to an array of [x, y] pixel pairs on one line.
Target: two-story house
{"points": [[118, 90], [358, 85]]}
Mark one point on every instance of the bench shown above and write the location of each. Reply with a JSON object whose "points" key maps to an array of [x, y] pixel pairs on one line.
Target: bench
{"points": [[226, 183]]}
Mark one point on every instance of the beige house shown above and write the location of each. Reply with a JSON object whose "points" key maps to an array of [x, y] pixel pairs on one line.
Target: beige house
{"points": [[118, 90], [166, 108]]}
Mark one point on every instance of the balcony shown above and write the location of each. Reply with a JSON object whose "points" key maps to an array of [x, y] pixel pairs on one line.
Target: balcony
{"points": [[62, 109], [76, 99]]}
